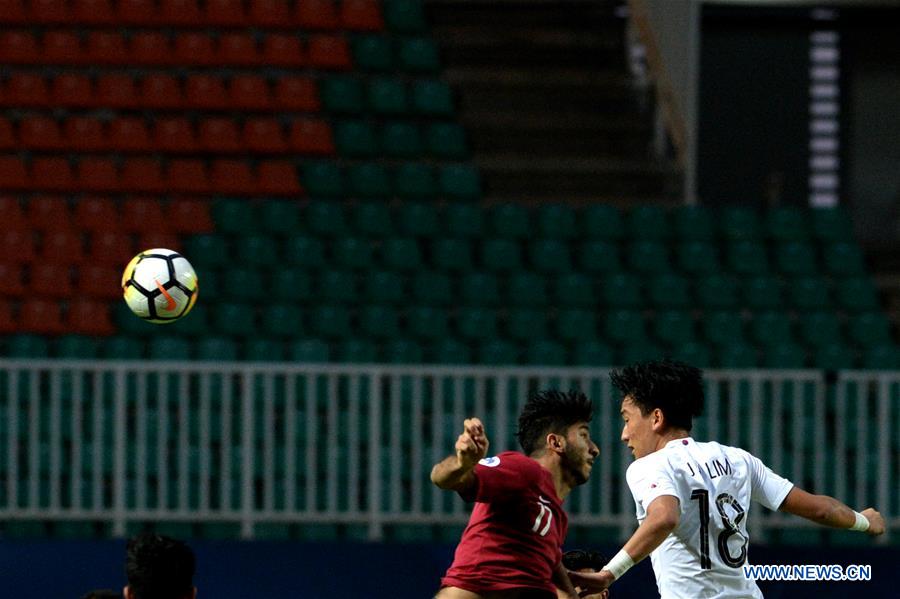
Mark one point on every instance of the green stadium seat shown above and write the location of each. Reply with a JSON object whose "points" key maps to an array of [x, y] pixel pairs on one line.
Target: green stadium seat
{"points": [[234, 319], [480, 289], [762, 292], [432, 98], [526, 289], [556, 221], [400, 139], [844, 259], [509, 221], [373, 219], [403, 351], [304, 251], [673, 328], [450, 351], [433, 289], [210, 284], [369, 180], [282, 320], [372, 53], [379, 322], [233, 216], [646, 222], [207, 250], [787, 224], [291, 284], [258, 250], [771, 328], [737, 355], [869, 329], [693, 353], [593, 353], [426, 322], [524, 324], [723, 327], [856, 294], [476, 323], [549, 256], [279, 216], [244, 284], [446, 141], [834, 357], [418, 54], [819, 329], [747, 258], [463, 220], [169, 348], [693, 223], [341, 95], [544, 352], [405, 16], [352, 253], [216, 349], [624, 326], [497, 353], [574, 290], [29, 346], [76, 347], [641, 352], [603, 222], [809, 293], [717, 292], [122, 348], [310, 351], [669, 291], [882, 357], [384, 287], [322, 179], [648, 257], [622, 290], [401, 254], [414, 180], [355, 139], [599, 257], [330, 321], [451, 254], [264, 350], [357, 351], [418, 219], [697, 257], [387, 96], [831, 224], [784, 356], [795, 258], [576, 325], [738, 223], [337, 287], [501, 255], [459, 182]]}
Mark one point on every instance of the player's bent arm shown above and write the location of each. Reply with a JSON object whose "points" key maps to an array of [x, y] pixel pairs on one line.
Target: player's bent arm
{"points": [[663, 515], [828, 511], [449, 474], [564, 587]]}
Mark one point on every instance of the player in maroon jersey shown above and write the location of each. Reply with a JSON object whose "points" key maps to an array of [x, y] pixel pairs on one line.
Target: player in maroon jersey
{"points": [[512, 546]]}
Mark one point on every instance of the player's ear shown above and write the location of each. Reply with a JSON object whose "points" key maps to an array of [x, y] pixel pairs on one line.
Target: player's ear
{"points": [[658, 420], [556, 442]]}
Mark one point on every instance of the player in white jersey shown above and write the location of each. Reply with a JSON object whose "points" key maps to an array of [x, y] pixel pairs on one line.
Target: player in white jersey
{"points": [[693, 499]]}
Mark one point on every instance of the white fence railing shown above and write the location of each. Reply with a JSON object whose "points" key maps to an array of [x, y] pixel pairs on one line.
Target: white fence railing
{"points": [[126, 442]]}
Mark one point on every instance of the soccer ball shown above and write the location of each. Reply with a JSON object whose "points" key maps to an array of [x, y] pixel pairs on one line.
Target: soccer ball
{"points": [[160, 285]]}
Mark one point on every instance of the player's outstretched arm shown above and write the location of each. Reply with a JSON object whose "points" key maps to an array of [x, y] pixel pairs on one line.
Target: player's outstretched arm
{"points": [[663, 515], [455, 472], [828, 511]]}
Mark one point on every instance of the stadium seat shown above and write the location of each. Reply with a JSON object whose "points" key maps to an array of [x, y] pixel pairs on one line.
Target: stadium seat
{"points": [[413, 181], [463, 220], [787, 224], [27, 346], [693, 223], [216, 349], [404, 16], [425, 322], [809, 293], [99, 281], [26, 89], [169, 348], [76, 347], [234, 319], [418, 219], [264, 135], [545, 352], [738, 223], [19, 47], [771, 329], [403, 351], [602, 222], [372, 53], [432, 98], [459, 182], [304, 251], [479, 289], [384, 287], [500, 255], [819, 329], [418, 55], [11, 280], [42, 316], [40, 133], [264, 350], [796, 258], [674, 328], [325, 218], [282, 320], [142, 215], [723, 328], [110, 248], [322, 179], [882, 357], [401, 139], [648, 257], [869, 329], [330, 322], [555, 221], [379, 322], [737, 355], [574, 290], [50, 280], [244, 284], [89, 317], [641, 352], [446, 141], [150, 48], [646, 222], [695, 354], [368, 180], [576, 325], [593, 353], [342, 95], [669, 291], [509, 220], [622, 290], [834, 357], [291, 285], [747, 258], [282, 50], [53, 174], [476, 324], [105, 48], [337, 287], [624, 326], [62, 247], [372, 219], [352, 253], [219, 135], [311, 136], [208, 250], [856, 294], [717, 292], [309, 351], [450, 351], [355, 139], [599, 257], [451, 254], [697, 257], [831, 225], [497, 353], [784, 356], [844, 259], [524, 324], [526, 289], [762, 293], [49, 213], [549, 256], [298, 94]]}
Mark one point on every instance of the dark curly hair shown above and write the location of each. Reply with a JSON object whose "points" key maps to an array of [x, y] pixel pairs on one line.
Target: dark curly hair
{"points": [[674, 387], [551, 411], [159, 567], [580, 559]]}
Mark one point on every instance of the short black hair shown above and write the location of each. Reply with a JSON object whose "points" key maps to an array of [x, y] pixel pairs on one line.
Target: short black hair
{"points": [[580, 559], [674, 387], [159, 567], [103, 594], [551, 411]]}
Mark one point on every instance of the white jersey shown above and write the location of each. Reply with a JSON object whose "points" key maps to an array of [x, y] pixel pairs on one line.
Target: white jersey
{"points": [[703, 557]]}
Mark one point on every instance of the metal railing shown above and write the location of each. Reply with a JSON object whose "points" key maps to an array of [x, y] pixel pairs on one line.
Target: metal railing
{"points": [[241, 443]]}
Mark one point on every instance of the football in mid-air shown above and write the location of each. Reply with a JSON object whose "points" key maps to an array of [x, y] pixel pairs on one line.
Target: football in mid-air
{"points": [[160, 285]]}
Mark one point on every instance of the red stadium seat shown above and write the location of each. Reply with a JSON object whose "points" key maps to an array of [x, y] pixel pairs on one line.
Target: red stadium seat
{"points": [[62, 47], [296, 93], [50, 280], [19, 47], [7, 137], [52, 173], [41, 316], [73, 89], [187, 176], [26, 89], [84, 134], [142, 214], [361, 15], [129, 134], [99, 281], [17, 247], [97, 174], [283, 50], [264, 135], [219, 135], [237, 49], [232, 176], [195, 49], [227, 13], [110, 248], [189, 216], [11, 280], [205, 91], [117, 91], [159, 90], [62, 247], [137, 12], [40, 133], [13, 173], [269, 13], [89, 317], [11, 215], [174, 135], [8, 324], [278, 177], [250, 92], [158, 239], [329, 52], [311, 136], [316, 14], [142, 174], [96, 214], [106, 48], [49, 213], [150, 48], [93, 12], [50, 11], [13, 11], [181, 12]]}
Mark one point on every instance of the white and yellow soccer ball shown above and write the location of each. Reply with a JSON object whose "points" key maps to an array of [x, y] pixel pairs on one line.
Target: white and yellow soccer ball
{"points": [[160, 285]]}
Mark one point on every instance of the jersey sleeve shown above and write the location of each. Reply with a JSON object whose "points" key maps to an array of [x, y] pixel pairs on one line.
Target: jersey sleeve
{"points": [[499, 477], [648, 480], [767, 488]]}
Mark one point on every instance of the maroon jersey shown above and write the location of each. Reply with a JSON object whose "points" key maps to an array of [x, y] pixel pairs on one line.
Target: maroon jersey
{"points": [[516, 530]]}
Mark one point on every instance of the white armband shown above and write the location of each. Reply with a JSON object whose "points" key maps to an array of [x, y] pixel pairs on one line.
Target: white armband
{"points": [[619, 564], [861, 524]]}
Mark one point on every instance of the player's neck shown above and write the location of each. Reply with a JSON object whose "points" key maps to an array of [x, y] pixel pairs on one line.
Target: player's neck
{"points": [[559, 480], [671, 435]]}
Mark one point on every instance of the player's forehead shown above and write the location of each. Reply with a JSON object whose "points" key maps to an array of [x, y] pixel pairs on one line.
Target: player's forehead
{"points": [[628, 405]]}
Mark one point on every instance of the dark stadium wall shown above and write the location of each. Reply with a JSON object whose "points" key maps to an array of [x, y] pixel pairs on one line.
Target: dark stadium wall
{"points": [[282, 570]]}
